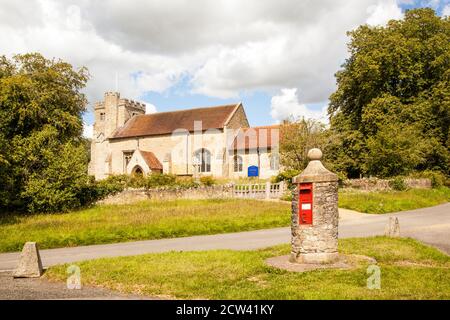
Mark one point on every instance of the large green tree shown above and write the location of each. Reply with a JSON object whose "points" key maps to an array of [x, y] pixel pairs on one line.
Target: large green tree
{"points": [[43, 165], [391, 111], [297, 137]]}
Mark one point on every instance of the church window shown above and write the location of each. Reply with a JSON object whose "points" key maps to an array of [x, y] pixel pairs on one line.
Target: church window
{"points": [[127, 155], [203, 157], [237, 163], [102, 116]]}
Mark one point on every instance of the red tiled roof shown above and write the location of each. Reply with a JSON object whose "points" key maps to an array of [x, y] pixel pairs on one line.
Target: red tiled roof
{"points": [[167, 122], [151, 160], [257, 137]]}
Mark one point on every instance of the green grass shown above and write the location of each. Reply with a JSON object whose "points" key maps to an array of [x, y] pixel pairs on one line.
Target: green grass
{"points": [[409, 270], [392, 201], [178, 218], [144, 220]]}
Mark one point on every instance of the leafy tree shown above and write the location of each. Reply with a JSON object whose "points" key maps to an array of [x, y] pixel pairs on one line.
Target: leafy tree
{"points": [[42, 161], [395, 150], [296, 138], [60, 181], [391, 111]]}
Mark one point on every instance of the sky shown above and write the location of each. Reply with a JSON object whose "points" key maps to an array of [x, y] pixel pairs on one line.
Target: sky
{"points": [[277, 57]]}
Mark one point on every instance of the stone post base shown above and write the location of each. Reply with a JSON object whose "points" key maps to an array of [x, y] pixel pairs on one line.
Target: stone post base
{"points": [[315, 258]]}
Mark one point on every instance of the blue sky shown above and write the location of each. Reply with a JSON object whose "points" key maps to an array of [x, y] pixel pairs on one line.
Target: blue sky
{"points": [[277, 57], [436, 5]]}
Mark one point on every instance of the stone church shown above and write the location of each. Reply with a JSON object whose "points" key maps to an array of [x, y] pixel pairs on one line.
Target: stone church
{"points": [[215, 141]]}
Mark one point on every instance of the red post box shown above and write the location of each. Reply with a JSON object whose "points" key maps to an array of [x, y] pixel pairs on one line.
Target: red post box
{"points": [[305, 203]]}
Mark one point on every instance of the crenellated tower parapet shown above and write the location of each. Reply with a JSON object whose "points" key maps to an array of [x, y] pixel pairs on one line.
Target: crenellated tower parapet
{"points": [[113, 112]]}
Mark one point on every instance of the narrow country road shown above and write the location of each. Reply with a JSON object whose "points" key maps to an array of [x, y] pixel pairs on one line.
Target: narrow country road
{"points": [[430, 225]]}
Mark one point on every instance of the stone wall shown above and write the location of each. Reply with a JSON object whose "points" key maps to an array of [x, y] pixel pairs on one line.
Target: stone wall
{"points": [[134, 195], [375, 184]]}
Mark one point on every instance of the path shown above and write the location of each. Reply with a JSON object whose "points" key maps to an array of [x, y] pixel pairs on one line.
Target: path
{"points": [[430, 225], [42, 289]]}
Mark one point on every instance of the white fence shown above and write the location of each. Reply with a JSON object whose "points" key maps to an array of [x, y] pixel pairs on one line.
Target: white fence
{"points": [[259, 191]]}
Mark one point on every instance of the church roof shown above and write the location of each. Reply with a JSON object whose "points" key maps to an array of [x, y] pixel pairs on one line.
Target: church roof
{"points": [[167, 122], [151, 160], [257, 137]]}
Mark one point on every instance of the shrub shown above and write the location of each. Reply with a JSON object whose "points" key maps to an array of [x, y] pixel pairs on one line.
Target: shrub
{"points": [[342, 177], [137, 181], [447, 182], [100, 189], [398, 183], [438, 179], [186, 182], [160, 180], [97, 190], [59, 183], [117, 179], [287, 196], [286, 176], [111, 185], [207, 180]]}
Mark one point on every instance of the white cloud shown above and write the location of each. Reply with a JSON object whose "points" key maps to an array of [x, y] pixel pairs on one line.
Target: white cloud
{"points": [[446, 11], [408, 2], [88, 130], [300, 52], [382, 12], [63, 32], [150, 108], [224, 46], [286, 105]]}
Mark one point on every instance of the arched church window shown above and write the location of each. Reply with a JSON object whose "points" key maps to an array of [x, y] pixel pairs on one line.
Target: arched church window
{"points": [[237, 163], [127, 155], [203, 157]]}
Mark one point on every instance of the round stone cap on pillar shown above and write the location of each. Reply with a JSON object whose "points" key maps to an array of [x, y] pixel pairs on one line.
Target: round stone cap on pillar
{"points": [[315, 171], [315, 213]]}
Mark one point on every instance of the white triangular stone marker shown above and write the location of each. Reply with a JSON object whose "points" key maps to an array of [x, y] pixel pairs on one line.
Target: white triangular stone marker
{"points": [[30, 264]]}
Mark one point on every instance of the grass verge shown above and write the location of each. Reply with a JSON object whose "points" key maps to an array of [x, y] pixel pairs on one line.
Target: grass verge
{"points": [[144, 220], [392, 201], [409, 270]]}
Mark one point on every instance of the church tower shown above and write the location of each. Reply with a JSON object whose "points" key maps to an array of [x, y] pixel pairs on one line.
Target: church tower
{"points": [[113, 112], [110, 114]]}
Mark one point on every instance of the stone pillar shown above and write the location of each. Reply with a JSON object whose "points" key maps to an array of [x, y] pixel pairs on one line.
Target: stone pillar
{"points": [[30, 265], [315, 238]]}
